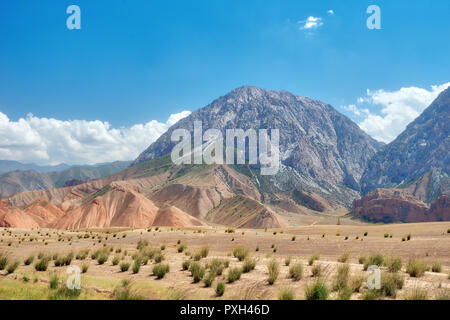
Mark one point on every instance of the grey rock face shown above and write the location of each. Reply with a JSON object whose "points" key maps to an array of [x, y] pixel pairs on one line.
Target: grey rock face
{"points": [[422, 147], [315, 139]]}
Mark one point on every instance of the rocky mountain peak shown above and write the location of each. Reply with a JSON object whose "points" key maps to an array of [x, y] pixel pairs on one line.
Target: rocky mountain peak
{"points": [[315, 139]]}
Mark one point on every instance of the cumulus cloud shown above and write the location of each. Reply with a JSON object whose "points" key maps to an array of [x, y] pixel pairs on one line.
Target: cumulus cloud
{"points": [[311, 23], [330, 12], [52, 141], [394, 109]]}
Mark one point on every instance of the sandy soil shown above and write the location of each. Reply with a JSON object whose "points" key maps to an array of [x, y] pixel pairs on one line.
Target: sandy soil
{"points": [[429, 242]]}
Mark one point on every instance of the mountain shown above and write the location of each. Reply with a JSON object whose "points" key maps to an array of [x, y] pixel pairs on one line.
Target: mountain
{"points": [[8, 166], [156, 192], [423, 147], [323, 156], [20, 181], [408, 180], [320, 149]]}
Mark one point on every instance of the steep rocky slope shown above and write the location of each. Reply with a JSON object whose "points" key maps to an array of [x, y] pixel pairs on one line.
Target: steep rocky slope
{"points": [[315, 139], [422, 147], [416, 168]]}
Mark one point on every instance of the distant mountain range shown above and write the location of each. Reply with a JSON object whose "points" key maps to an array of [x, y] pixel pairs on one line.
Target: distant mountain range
{"points": [[327, 160], [8, 166], [26, 179]]}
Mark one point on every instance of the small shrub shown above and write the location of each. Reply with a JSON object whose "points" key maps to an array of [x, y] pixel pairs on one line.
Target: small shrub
{"points": [[218, 265], [160, 270], [371, 294], [102, 258], [204, 252], [374, 260], [54, 281], [345, 293], [197, 256], [274, 270], [342, 277], [197, 271], [84, 268], [417, 294], [286, 294], [209, 278], [390, 283], [181, 248], [29, 260], [124, 266], [220, 289], [313, 258], [234, 274], [158, 257], [142, 244], [287, 261], [436, 267], [115, 261], [316, 270], [356, 283], [296, 271], [393, 264], [3, 261], [42, 264], [318, 290], [362, 259], [365, 234], [185, 265], [12, 267], [343, 258], [416, 268], [67, 260], [408, 236], [137, 266], [240, 253], [293, 238], [249, 265], [125, 292]]}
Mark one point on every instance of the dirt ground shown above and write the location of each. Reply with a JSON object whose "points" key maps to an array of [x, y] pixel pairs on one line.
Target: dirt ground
{"points": [[429, 242]]}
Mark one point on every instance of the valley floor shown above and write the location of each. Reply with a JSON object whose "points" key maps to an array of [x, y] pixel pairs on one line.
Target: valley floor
{"points": [[429, 242]]}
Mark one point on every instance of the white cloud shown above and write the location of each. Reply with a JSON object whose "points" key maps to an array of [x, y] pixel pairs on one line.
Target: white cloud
{"points": [[353, 109], [311, 23], [51, 141], [396, 109], [330, 12]]}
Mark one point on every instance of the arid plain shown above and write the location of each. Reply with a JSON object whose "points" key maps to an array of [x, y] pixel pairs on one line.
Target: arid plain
{"points": [[306, 262]]}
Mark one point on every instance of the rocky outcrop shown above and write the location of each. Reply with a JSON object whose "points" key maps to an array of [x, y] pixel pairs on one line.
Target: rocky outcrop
{"points": [[396, 205]]}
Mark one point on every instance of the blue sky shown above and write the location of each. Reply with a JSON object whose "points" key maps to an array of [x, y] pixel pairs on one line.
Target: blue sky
{"points": [[136, 61]]}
